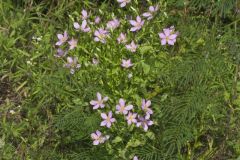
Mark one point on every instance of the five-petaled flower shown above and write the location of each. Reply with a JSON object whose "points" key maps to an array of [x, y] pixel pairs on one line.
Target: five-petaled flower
{"points": [[101, 35], [98, 138], [122, 108], [146, 106], [137, 25], [72, 43], [168, 36], [62, 38], [84, 14], [149, 14], [132, 47], [126, 63], [60, 53], [113, 24], [97, 20], [122, 38], [83, 26], [144, 122], [123, 3], [72, 64], [131, 118], [107, 119], [99, 102]]}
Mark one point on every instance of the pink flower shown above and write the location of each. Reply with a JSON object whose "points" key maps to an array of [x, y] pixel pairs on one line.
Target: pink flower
{"points": [[60, 53], [62, 38], [113, 24], [108, 120], [122, 108], [135, 158], [144, 122], [123, 3], [83, 27], [137, 25], [99, 102], [101, 35], [126, 63], [132, 47], [72, 43], [97, 20], [98, 138], [146, 106], [131, 118], [168, 36], [72, 64], [122, 38], [149, 15], [95, 61], [84, 14]]}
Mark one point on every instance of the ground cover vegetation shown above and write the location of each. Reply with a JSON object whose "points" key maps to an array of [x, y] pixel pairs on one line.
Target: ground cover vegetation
{"points": [[119, 79]]}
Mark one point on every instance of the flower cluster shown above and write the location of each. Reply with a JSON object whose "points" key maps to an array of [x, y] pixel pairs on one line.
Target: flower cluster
{"points": [[168, 36], [101, 34], [124, 109], [72, 62]]}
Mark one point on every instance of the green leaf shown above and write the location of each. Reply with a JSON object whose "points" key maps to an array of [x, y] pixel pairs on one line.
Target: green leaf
{"points": [[117, 140]]}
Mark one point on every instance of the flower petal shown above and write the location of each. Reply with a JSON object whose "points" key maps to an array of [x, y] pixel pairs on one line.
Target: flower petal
{"points": [[103, 115], [122, 102], [163, 41], [60, 36], [99, 96], [103, 123], [129, 107], [170, 42], [96, 142], [76, 25], [94, 136], [109, 124], [92, 102], [162, 35]]}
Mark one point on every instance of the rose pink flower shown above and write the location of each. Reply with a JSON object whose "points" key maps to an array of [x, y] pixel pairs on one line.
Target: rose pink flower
{"points": [[137, 25], [149, 14], [101, 35], [97, 20], [122, 38], [98, 138], [126, 63], [99, 102], [72, 43], [146, 106], [135, 158], [95, 61], [83, 27], [122, 108], [72, 64], [107, 119], [60, 53], [113, 24], [132, 47], [123, 3], [144, 122], [168, 36], [62, 38], [131, 118], [84, 14]]}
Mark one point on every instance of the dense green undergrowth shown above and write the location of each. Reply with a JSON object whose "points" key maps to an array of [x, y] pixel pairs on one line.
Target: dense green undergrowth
{"points": [[193, 85]]}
